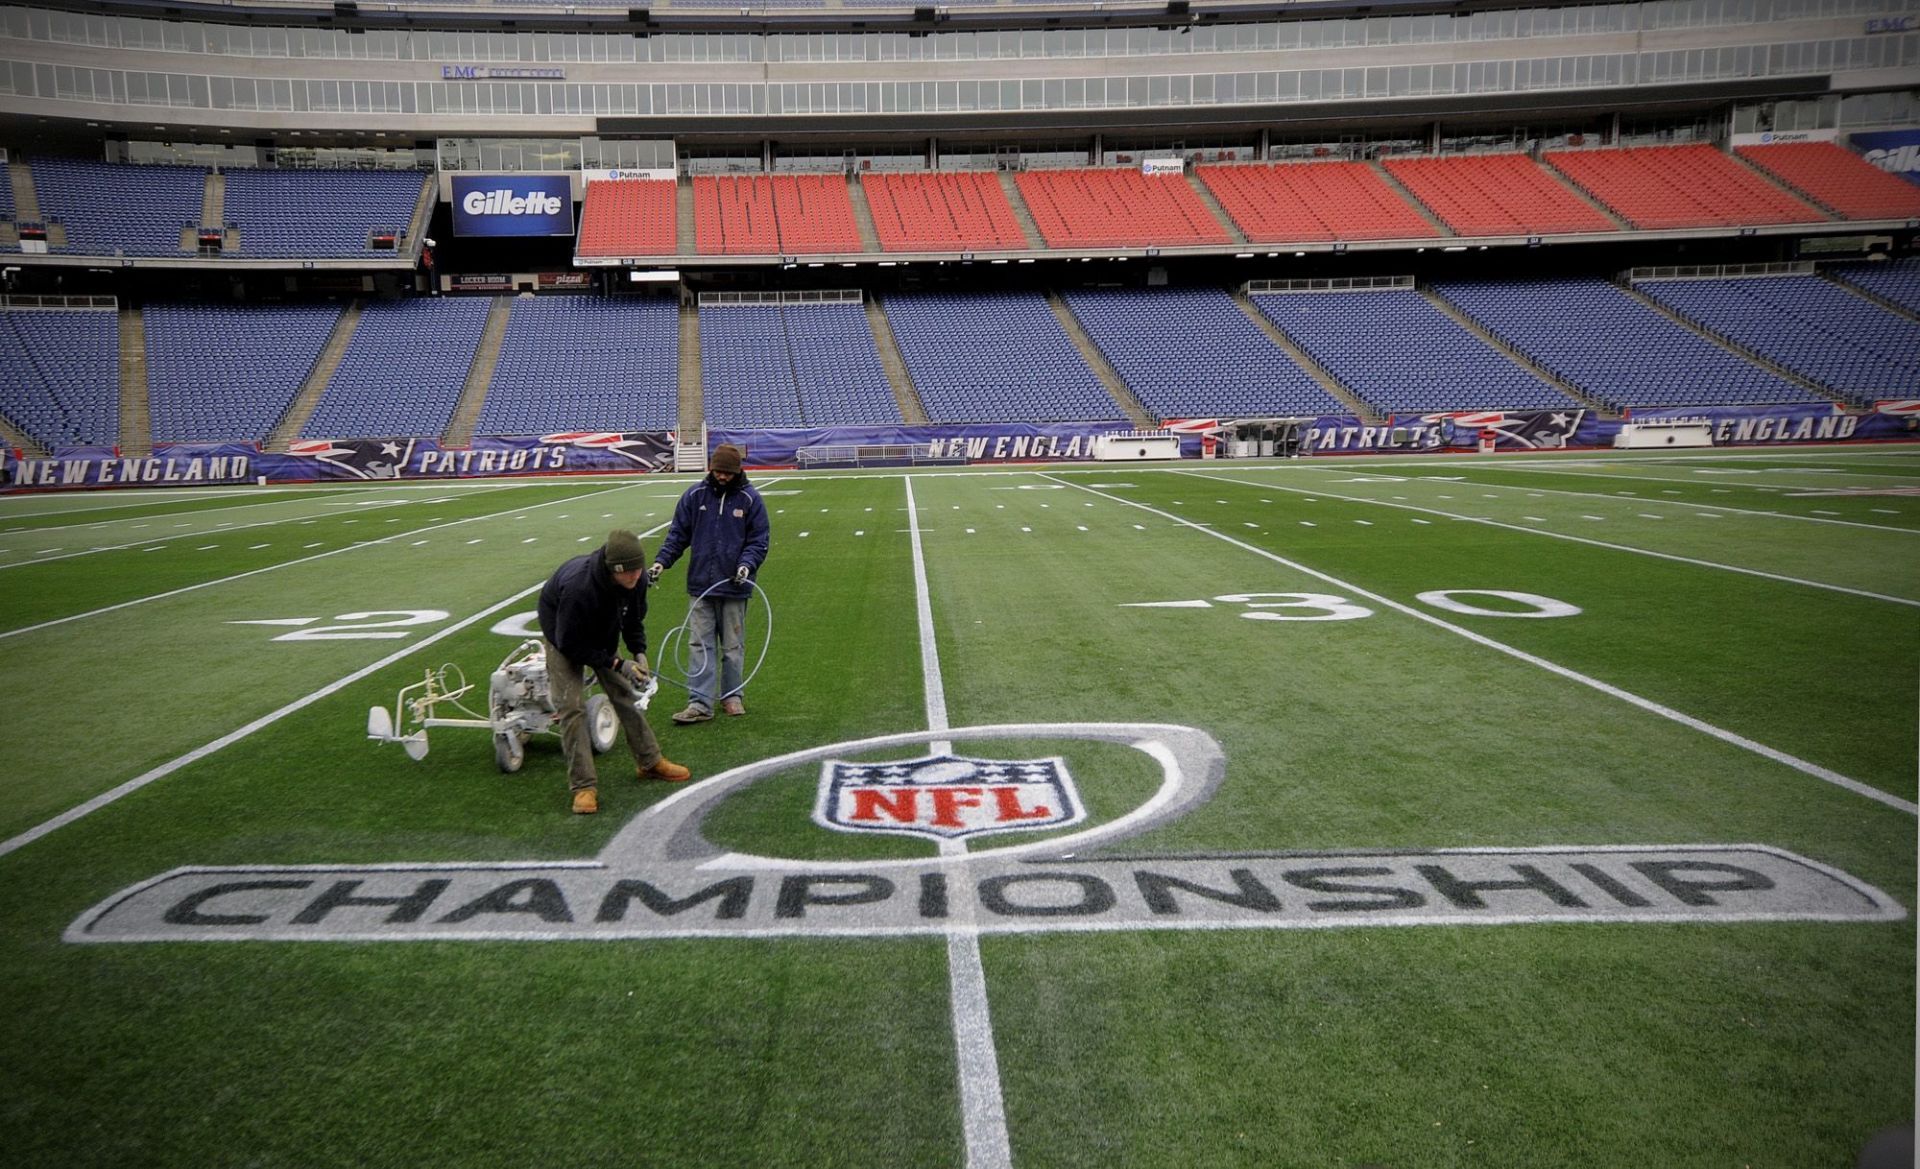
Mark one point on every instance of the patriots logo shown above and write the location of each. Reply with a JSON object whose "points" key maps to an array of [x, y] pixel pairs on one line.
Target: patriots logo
{"points": [[1533, 429], [947, 797], [651, 452], [363, 459]]}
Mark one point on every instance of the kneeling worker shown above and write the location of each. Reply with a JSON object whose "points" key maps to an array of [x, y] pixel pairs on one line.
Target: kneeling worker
{"points": [[588, 605]]}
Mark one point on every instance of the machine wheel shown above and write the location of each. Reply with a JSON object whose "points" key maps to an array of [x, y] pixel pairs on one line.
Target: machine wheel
{"points": [[509, 752], [602, 723]]}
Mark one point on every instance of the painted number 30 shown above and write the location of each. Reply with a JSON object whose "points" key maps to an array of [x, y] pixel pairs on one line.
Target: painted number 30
{"points": [[1330, 607]]}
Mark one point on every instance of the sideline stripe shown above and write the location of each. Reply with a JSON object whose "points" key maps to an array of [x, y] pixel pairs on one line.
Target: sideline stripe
{"points": [[1492, 523], [983, 1114], [265, 720], [290, 563], [1572, 675]]}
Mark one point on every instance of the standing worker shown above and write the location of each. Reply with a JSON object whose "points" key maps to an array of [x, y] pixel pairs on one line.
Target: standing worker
{"points": [[587, 606], [722, 520]]}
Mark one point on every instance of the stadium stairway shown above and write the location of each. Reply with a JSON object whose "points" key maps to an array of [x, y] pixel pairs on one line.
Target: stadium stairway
{"points": [[1514, 355], [422, 213], [1745, 354], [1021, 213], [136, 411], [21, 441], [1214, 208], [693, 402], [308, 399], [1110, 379], [1397, 187], [26, 201], [213, 199], [685, 235], [905, 395], [862, 216], [486, 358], [1299, 357]]}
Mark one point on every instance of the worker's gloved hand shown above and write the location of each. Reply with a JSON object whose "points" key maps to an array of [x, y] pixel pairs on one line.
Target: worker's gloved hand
{"points": [[653, 572], [740, 575], [633, 672], [645, 670]]}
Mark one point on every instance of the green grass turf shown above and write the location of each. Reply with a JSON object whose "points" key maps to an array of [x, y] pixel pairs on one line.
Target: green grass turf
{"points": [[1621, 1044]]}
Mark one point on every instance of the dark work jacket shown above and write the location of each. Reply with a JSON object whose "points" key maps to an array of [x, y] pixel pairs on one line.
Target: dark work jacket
{"points": [[720, 528], [584, 612]]}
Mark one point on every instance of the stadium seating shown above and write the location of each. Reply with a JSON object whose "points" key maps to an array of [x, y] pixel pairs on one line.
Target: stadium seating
{"points": [[1838, 178], [319, 213], [1401, 354], [586, 363], [792, 365], [629, 217], [1192, 353], [942, 211], [60, 375], [225, 373], [1811, 326], [815, 214], [767, 215], [1658, 187], [1301, 202], [995, 358], [110, 209], [1117, 207], [1615, 349], [402, 373], [1495, 194], [1896, 281]]}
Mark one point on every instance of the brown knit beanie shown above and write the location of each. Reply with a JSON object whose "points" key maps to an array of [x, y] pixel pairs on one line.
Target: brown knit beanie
{"points": [[624, 551], [726, 457]]}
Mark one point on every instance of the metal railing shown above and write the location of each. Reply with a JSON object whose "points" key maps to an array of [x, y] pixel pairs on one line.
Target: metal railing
{"points": [[1330, 284], [1718, 271], [812, 296]]}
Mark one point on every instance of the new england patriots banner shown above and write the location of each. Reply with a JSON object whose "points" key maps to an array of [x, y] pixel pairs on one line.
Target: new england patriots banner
{"points": [[170, 465], [999, 442], [1796, 423], [564, 452]]}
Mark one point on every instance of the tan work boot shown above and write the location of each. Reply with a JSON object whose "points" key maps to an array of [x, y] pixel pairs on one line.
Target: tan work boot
{"points": [[694, 713], [586, 802], [733, 705], [666, 769]]}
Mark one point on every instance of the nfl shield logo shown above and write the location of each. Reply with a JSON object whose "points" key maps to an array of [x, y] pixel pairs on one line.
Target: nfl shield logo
{"points": [[947, 797]]}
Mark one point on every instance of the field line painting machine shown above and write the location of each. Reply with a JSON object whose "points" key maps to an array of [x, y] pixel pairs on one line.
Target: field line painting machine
{"points": [[519, 706]]}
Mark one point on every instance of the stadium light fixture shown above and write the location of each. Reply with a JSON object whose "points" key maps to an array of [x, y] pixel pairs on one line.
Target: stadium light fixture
{"points": [[657, 276], [1243, 255], [1454, 249], [1297, 254]]}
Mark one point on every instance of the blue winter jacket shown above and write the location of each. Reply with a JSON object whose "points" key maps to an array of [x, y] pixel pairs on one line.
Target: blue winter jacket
{"points": [[586, 614], [722, 528]]}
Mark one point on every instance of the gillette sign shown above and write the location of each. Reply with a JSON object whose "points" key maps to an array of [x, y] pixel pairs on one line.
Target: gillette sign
{"points": [[495, 205]]}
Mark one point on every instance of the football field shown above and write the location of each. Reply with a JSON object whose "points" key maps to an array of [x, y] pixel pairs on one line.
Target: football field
{"points": [[1526, 811]]}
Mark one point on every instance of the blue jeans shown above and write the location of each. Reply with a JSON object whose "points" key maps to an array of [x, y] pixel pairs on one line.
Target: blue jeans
{"points": [[726, 616]]}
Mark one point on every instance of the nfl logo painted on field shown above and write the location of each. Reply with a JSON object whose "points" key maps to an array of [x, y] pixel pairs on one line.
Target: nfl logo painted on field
{"points": [[947, 797]]}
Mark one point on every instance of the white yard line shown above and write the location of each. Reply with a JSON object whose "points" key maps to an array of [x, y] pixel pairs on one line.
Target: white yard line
{"points": [[983, 1114], [1837, 480], [148, 518], [191, 532], [291, 563], [1492, 523], [1646, 704], [265, 720]]}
